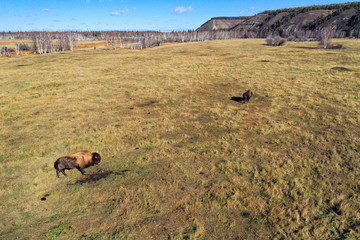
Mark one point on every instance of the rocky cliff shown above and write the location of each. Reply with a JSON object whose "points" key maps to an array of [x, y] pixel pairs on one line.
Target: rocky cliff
{"points": [[342, 19]]}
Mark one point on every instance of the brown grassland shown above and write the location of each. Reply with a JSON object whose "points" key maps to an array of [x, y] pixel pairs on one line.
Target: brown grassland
{"points": [[180, 160]]}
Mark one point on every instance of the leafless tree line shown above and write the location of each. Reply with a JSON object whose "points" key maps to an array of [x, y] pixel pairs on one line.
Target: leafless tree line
{"points": [[47, 42], [140, 40], [179, 36]]}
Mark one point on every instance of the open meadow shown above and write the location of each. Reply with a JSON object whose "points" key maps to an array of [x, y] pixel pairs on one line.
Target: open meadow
{"points": [[180, 159]]}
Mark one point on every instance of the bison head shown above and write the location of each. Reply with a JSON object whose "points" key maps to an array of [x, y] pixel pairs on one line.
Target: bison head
{"points": [[96, 158]]}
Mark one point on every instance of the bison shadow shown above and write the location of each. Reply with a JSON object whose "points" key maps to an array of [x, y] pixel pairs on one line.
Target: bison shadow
{"points": [[238, 99], [94, 177]]}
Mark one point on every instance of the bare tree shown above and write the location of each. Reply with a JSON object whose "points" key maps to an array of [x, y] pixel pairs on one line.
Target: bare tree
{"points": [[48, 43], [61, 44], [325, 38], [38, 43], [6, 51], [121, 42], [70, 40], [17, 49]]}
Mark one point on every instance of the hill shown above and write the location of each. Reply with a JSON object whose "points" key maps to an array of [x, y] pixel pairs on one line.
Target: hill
{"points": [[344, 19]]}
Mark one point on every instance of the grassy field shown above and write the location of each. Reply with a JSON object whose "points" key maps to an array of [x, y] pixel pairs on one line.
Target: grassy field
{"points": [[180, 159]]}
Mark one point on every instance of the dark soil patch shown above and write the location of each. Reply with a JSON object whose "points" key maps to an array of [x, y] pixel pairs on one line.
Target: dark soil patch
{"points": [[341, 69], [45, 196], [147, 103]]}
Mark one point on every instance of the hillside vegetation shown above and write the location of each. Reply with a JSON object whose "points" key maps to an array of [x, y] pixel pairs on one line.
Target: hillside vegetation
{"points": [[180, 159], [343, 19]]}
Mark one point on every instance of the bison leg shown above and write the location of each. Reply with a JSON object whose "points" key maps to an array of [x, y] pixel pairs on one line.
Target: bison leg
{"points": [[81, 170], [63, 172]]}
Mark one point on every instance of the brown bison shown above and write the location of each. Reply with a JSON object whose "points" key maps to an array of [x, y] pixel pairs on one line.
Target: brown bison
{"points": [[79, 160], [247, 95]]}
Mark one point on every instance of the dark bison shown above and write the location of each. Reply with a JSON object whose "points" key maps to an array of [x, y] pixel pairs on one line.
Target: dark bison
{"points": [[79, 160], [247, 95]]}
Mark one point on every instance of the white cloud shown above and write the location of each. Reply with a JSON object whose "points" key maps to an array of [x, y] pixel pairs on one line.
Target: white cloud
{"points": [[181, 10], [126, 11], [123, 12], [252, 12], [45, 10]]}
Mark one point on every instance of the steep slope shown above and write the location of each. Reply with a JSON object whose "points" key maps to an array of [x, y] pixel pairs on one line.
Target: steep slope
{"points": [[222, 23], [344, 19]]}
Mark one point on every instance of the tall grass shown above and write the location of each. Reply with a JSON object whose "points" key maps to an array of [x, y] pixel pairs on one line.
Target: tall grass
{"points": [[180, 160]]}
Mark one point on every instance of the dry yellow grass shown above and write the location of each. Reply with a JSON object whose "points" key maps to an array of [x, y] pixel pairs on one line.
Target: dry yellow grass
{"points": [[180, 160]]}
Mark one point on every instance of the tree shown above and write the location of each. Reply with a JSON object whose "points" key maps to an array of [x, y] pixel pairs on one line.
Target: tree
{"points": [[70, 36], [325, 37], [17, 49]]}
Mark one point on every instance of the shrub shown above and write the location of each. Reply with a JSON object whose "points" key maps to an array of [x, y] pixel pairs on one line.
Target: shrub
{"points": [[6, 49], [291, 38], [275, 41], [339, 46], [24, 47]]}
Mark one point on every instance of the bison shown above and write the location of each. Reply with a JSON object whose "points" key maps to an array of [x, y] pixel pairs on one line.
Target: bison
{"points": [[79, 160], [247, 95]]}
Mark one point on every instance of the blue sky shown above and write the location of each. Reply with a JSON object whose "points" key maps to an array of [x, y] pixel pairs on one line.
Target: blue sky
{"points": [[92, 15]]}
